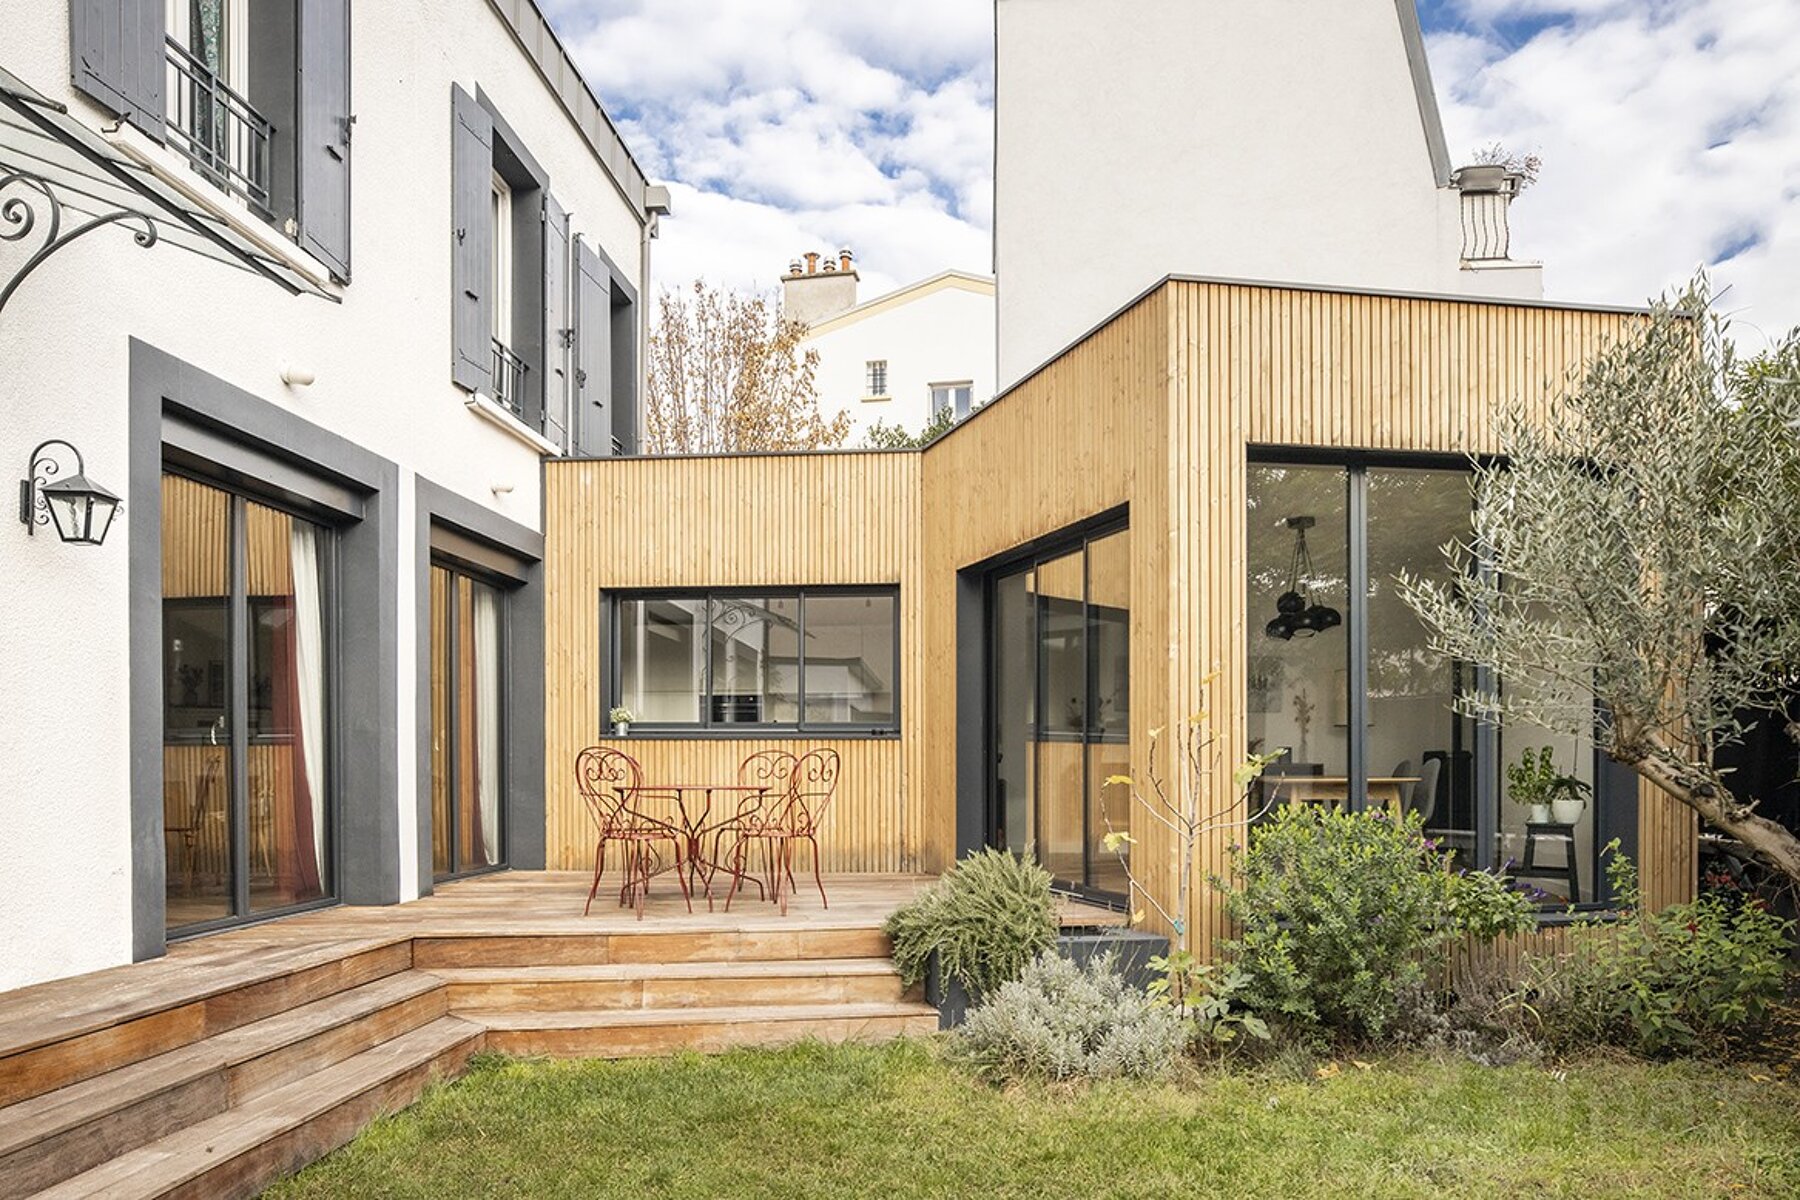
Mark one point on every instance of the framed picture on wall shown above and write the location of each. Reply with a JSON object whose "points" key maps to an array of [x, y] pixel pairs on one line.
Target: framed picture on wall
{"points": [[1264, 676]]}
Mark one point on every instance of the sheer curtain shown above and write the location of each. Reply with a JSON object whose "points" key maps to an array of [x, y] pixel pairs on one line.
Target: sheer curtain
{"points": [[487, 719], [309, 677]]}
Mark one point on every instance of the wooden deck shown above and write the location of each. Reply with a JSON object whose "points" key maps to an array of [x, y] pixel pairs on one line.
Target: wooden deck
{"points": [[244, 1055]]}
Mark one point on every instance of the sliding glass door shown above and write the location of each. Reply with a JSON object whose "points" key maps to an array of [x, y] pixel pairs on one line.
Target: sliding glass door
{"points": [[1343, 684], [246, 707], [466, 724], [1058, 708]]}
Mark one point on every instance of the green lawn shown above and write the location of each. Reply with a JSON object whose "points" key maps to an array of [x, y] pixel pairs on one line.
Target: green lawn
{"points": [[896, 1121]]}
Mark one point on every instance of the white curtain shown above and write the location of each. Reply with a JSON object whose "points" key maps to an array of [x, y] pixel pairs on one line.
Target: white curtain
{"points": [[309, 675], [487, 719]]}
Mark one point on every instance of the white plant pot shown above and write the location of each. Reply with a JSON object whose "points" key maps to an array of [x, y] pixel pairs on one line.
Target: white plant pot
{"points": [[1567, 812], [1540, 814], [622, 728]]}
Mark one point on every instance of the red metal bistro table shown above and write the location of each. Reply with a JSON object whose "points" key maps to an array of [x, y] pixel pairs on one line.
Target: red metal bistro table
{"points": [[693, 805]]}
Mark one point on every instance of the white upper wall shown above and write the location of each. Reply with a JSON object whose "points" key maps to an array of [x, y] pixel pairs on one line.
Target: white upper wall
{"points": [[382, 359], [1278, 140], [937, 331]]}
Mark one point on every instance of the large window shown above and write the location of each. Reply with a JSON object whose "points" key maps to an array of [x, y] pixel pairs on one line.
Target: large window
{"points": [[813, 659], [1058, 707], [1343, 684], [467, 694], [247, 711]]}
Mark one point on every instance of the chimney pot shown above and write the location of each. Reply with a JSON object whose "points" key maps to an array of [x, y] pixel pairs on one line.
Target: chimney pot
{"points": [[812, 262], [844, 258]]}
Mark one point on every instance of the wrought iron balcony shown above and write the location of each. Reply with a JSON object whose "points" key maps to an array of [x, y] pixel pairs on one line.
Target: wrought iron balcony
{"points": [[221, 133], [509, 380]]}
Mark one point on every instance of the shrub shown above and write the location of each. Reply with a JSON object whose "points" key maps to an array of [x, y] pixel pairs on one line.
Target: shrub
{"points": [[985, 919], [1209, 997], [1337, 911], [1676, 981], [1061, 1021]]}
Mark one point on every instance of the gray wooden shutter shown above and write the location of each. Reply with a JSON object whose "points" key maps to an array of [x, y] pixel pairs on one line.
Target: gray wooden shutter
{"points": [[116, 56], [471, 241], [323, 140], [592, 416], [625, 371], [558, 327]]}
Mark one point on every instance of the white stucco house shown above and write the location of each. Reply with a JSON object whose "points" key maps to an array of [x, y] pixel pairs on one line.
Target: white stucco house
{"points": [[398, 254], [1282, 140], [898, 358]]}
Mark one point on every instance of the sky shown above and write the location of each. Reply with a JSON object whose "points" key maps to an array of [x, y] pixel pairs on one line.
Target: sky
{"points": [[1669, 132]]}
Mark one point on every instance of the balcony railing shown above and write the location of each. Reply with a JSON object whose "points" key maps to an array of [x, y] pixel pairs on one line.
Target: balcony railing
{"points": [[223, 136], [509, 380]]}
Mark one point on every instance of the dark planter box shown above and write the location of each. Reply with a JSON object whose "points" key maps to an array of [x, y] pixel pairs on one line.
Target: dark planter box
{"points": [[1133, 951]]}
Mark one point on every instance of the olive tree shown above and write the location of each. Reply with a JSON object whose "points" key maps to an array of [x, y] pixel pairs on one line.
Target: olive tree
{"points": [[1633, 572]]}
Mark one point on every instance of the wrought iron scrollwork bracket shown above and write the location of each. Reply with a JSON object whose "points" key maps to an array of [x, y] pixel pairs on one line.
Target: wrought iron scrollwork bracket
{"points": [[33, 201]]}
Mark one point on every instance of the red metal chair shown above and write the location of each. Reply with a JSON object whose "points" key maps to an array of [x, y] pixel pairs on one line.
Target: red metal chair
{"points": [[611, 783], [757, 820], [814, 784]]}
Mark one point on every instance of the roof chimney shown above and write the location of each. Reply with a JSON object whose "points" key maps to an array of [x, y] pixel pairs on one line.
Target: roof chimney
{"points": [[810, 295], [1487, 191]]}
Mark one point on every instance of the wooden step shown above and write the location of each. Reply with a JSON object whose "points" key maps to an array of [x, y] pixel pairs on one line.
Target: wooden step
{"points": [[479, 990], [634, 1032], [660, 946], [239, 1152], [56, 1034], [55, 1135]]}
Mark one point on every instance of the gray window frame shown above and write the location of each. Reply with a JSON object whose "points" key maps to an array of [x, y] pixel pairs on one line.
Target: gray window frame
{"points": [[613, 679]]}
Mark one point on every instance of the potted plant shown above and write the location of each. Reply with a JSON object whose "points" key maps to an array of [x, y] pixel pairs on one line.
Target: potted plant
{"points": [[621, 718], [1551, 796]]}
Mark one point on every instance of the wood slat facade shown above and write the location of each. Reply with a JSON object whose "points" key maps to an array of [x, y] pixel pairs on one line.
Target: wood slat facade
{"points": [[1152, 415]]}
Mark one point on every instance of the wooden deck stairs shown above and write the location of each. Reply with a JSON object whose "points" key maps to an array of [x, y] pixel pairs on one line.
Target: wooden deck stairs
{"points": [[215, 1075]]}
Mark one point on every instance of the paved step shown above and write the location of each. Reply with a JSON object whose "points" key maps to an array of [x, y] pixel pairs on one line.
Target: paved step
{"points": [[662, 946], [239, 1152], [476, 991], [55, 1135], [634, 1032]]}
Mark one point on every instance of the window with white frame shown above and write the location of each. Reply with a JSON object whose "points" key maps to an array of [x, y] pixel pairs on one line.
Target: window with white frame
{"points": [[877, 377], [954, 397]]}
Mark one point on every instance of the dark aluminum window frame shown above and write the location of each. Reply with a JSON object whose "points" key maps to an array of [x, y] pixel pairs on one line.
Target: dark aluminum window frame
{"points": [[238, 699], [1487, 748], [460, 568], [706, 727]]}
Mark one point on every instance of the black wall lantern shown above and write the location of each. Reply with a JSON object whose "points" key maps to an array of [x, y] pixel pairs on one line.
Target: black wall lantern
{"points": [[81, 510], [1295, 614]]}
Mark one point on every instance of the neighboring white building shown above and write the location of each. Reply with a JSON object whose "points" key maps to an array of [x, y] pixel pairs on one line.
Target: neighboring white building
{"points": [[1285, 140], [399, 259], [899, 357]]}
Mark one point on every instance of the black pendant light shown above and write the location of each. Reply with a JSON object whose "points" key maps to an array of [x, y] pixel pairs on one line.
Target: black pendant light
{"points": [[1295, 614]]}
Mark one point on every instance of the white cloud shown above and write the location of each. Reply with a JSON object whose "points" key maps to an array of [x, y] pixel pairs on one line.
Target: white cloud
{"points": [[1669, 129], [792, 125], [1670, 134]]}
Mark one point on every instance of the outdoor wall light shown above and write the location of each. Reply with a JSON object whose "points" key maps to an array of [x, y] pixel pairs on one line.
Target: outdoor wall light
{"points": [[81, 510], [1295, 615]]}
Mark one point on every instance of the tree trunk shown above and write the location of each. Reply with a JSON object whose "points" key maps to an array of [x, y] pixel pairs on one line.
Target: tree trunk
{"points": [[1774, 845]]}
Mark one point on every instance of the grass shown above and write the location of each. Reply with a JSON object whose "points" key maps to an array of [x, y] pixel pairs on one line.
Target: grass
{"points": [[896, 1120]]}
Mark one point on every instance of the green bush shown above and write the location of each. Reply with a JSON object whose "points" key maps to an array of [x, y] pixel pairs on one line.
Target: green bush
{"points": [[985, 919], [1681, 980], [1337, 910], [1060, 1021]]}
